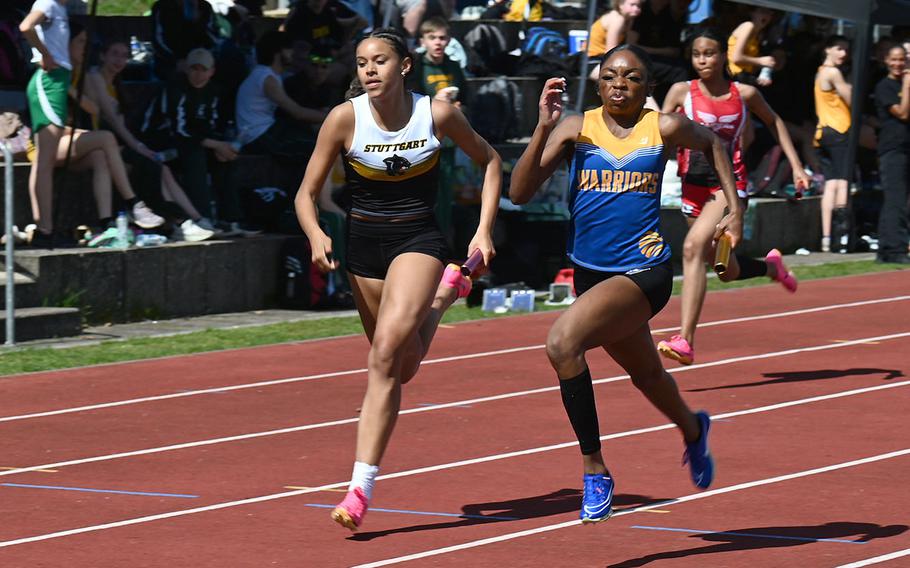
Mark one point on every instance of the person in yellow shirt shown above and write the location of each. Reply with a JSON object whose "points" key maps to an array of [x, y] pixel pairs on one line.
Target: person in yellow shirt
{"points": [[612, 29], [832, 106], [744, 43]]}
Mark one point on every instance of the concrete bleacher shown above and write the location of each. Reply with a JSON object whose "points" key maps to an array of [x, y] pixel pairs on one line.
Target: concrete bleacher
{"points": [[179, 279]]}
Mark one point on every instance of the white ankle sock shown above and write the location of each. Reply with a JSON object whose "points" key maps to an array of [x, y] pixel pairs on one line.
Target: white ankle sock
{"points": [[363, 477]]}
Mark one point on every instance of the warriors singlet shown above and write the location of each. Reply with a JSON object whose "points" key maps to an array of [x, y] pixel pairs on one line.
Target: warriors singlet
{"points": [[615, 196], [393, 174], [726, 119]]}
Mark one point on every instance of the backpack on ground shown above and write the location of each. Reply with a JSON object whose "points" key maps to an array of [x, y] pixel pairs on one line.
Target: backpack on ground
{"points": [[545, 54], [485, 48], [494, 109], [545, 42], [301, 285]]}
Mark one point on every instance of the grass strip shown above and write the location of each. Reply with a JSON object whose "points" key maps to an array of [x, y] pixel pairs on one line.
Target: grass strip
{"points": [[22, 360]]}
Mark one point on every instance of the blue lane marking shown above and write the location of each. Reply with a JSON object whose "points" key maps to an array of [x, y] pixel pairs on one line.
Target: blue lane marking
{"points": [[142, 493], [750, 535], [459, 515]]}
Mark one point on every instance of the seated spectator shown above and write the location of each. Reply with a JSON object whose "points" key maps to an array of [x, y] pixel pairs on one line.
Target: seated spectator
{"points": [[262, 93], [322, 31], [659, 28], [155, 182], [180, 26], [612, 29], [185, 116], [434, 74], [744, 46]]}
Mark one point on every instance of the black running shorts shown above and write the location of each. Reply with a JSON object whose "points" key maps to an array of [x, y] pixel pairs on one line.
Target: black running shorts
{"points": [[373, 245], [655, 281]]}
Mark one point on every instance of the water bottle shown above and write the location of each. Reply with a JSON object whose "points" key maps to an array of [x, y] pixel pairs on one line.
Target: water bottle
{"points": [[166, 155], [765, 73], [123, 230], [135, 46], [150, 240]]}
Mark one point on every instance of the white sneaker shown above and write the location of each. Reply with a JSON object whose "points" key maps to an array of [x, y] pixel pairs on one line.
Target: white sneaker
{"points": [[208, 225], [191, 232], [145, 217]]}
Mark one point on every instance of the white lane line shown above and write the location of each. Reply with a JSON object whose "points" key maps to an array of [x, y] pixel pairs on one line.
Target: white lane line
{"points": [[877, 559], [285, 494], [459, 403], [684, 499], [274, 382]]}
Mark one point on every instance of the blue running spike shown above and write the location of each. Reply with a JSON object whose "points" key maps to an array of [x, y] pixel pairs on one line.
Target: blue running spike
{"points": [[597, 501], [698, 456]]}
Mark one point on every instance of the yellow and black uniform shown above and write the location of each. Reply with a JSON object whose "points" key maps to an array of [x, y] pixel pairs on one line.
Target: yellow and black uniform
{"points": [[393, 178], [752, 49], [832, 132], [615, 186]]}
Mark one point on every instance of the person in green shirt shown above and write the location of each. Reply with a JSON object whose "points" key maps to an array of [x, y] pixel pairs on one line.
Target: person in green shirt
{"points": [[436, 74]]}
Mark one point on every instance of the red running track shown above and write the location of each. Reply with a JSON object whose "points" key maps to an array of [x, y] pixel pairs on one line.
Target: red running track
{"points": [[847, 401]]}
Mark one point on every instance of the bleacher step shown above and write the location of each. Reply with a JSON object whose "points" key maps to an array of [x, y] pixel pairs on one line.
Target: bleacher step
{"points": [[25, 288], [43, 322]]}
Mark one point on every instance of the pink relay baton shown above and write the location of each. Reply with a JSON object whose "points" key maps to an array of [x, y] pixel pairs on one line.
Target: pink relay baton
{"points": [[470, 266]]}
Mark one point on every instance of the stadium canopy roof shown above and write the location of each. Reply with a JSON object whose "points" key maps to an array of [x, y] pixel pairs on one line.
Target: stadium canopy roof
{"points": [[891, 12]]}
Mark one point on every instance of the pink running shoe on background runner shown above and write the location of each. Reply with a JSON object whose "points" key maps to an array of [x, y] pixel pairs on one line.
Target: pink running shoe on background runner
{"points": [[678, 349], [350, 512], [453, 278], [786, 278]]}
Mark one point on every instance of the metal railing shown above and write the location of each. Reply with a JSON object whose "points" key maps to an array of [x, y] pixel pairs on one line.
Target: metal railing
{"points": [[8, 231]]}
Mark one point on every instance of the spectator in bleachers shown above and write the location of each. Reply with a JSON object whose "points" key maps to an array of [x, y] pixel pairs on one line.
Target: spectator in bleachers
{"points": [[262, 93], [744, 45], [659, 28], [407, 15], [185, 116], [322, 31], [97, 150], [154, 181], [832, 106], [434, 74], [892, 101], [180, 26], [46, 27], [612, 29]]}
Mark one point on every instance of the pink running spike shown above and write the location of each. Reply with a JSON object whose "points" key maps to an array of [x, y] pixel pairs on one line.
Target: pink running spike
{"points": [[350, 512], [786, 278], [678, 349], [453, 278]]}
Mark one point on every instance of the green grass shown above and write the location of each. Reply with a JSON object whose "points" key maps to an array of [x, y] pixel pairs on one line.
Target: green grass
{"points": [[45, 359], [124, 7]]}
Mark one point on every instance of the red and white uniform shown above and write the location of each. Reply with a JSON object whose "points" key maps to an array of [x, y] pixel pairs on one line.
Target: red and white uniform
{"points": [[726, 118]]}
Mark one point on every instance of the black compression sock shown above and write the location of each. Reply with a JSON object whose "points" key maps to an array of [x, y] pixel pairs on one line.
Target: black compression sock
{"points": [[131, 201], [578, 398], [750, 268], [106, 222]]}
